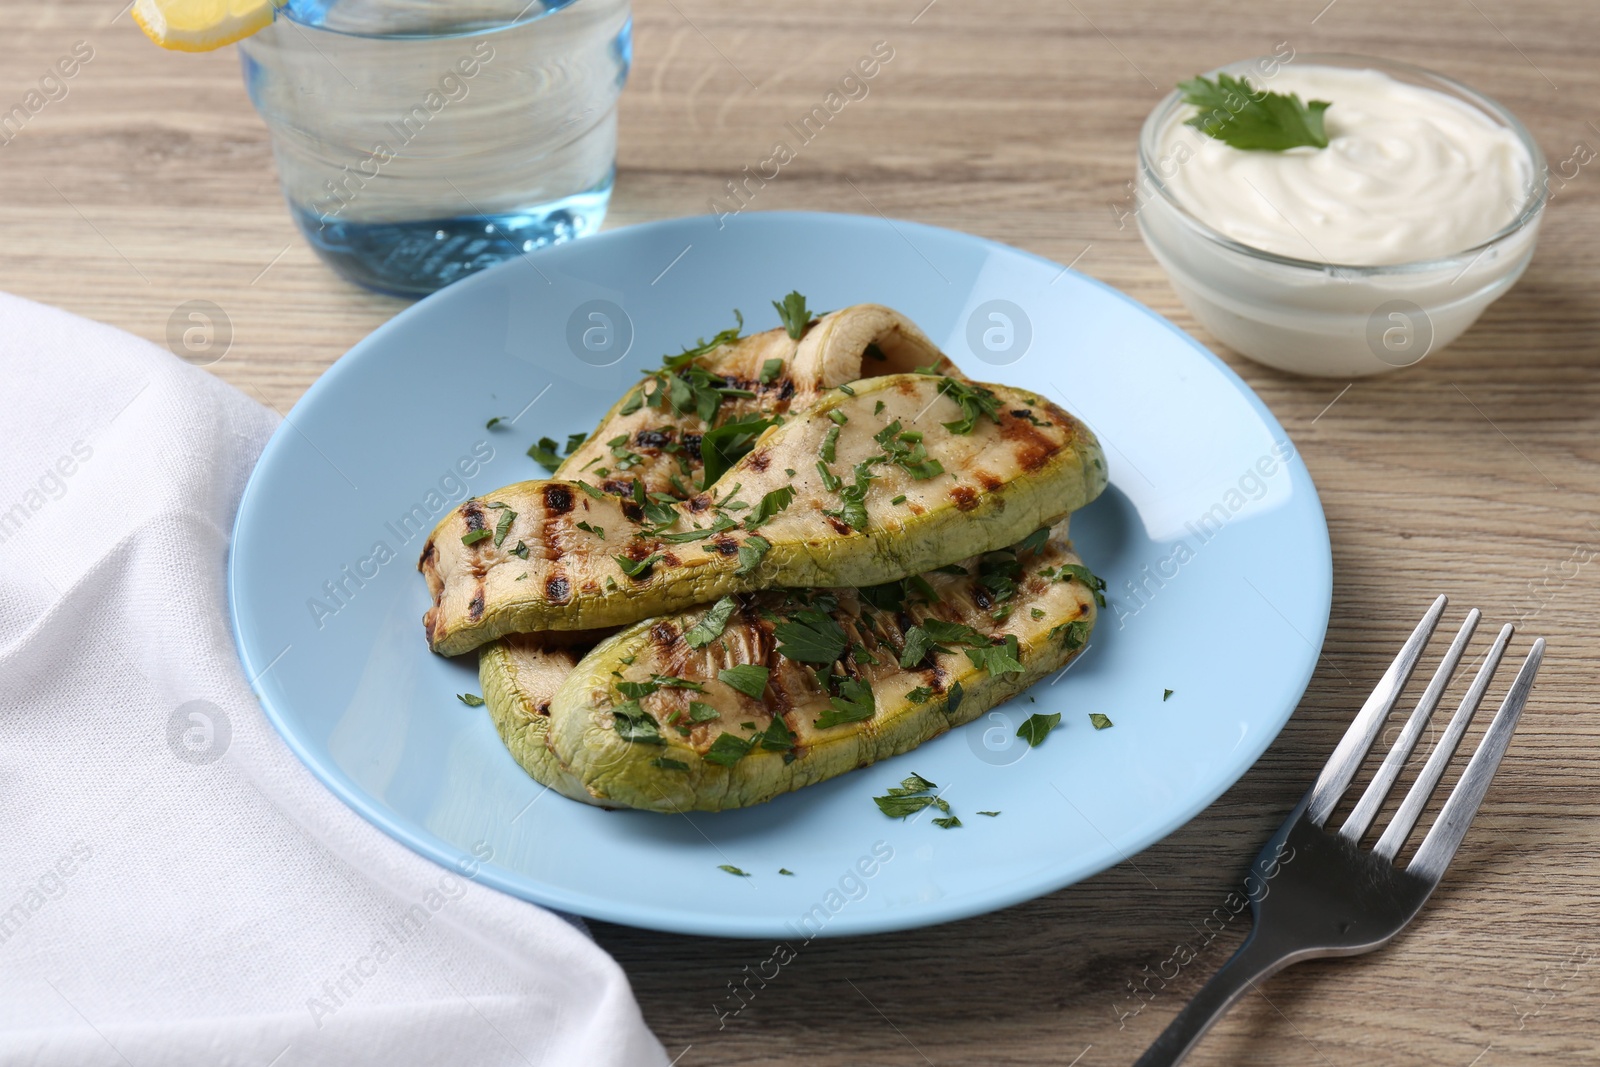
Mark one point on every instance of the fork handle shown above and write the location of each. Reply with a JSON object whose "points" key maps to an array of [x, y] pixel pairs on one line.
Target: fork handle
{"points": [[1256, 959]]}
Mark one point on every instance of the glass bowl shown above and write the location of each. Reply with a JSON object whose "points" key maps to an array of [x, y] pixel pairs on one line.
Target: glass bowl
{"points": [[1330, 319]]}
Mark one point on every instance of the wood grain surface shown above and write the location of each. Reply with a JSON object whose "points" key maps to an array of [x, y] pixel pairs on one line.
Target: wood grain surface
{"points": [[1475, 473]]}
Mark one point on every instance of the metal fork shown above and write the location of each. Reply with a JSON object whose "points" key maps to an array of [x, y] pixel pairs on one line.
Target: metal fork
{"points": [[1318, 893]]}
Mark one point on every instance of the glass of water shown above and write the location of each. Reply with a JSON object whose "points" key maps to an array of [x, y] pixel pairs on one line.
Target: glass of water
{"points": [[418, 141]]}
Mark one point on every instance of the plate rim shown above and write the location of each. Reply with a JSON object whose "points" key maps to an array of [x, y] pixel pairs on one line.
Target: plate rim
{"points": [[1045, 880]]}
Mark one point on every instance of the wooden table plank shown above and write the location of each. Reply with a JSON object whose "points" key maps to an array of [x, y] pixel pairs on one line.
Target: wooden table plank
{"points": [[151, 184]]}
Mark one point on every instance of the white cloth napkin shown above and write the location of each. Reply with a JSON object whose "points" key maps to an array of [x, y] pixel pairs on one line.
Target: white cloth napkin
{"points": [[175, 888]]}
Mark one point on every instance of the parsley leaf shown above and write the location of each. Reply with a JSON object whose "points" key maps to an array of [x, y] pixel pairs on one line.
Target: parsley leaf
{"points": [[913, 784], [727, 750], [1165, 694], [699, 712], [731, 869], [724, 446], [900, 807], [669, 764], [811, 636], [543, 452], [638, 569], [947, 822], [471, 700], [785, 870], [1096, 584], [1036, 726], [492, 423], [997, 659], [772, 503], [1099, 721], [747, 678], [635, 725], [752, 552], [1238, 114], [975, 401], [1073, 634], [830, 444], [953, 698], [503, 527], [991, 814], [854, 704], [770, 371], [793, 314], [711, 624], [920, 695], [472, 537]]}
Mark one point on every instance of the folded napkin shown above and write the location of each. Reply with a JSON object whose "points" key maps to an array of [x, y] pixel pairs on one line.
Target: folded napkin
{"points": [[177, 889]]}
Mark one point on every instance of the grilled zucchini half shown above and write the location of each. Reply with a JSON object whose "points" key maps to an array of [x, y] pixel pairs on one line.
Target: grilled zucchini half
{"points": [[653, 434], [759, 694], [875, 482]]}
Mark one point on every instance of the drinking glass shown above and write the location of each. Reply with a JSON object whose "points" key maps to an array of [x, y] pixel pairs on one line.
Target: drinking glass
{"points": [[418, 141]]}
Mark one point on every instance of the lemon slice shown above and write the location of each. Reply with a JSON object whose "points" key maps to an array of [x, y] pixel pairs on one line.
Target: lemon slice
{"points": [[201, 25]]}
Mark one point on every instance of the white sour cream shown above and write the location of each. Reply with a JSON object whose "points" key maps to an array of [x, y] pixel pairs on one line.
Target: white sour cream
{"points": [[1409, 174]]}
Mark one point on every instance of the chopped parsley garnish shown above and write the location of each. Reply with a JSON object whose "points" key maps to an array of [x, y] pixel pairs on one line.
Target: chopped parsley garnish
{"points": [[991, 814], [543, 452], [830, 444], [997, 659], [472, 537], [877, 409], [711, 624], [636, 725], [1099, 721], [785, 870], [976, 402], [699, 712], [669, 764], [724, 446], [598, 531], [503, 527], [811, 636], [591, 490], [1073, 634], [1236, 113], [747, 678], [471, 700], [639, 569], [683, 386], [901, 499], [683, 537], [1096, 584], [830, 481], [793, 314], [1036, 726], [920, 695], [727, 750], [521, 551], [752, 552], [947, 822], [1165, 694], [853, 704], [905, 449], [1035, 541], [838, 417], [770, 371], [772, 503], [852, 510], [731, 869], [492, 423], [953, 701], [909, 797]]}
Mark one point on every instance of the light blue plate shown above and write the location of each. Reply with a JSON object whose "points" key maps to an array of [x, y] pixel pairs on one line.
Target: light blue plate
{"points": [[1211, 537]]}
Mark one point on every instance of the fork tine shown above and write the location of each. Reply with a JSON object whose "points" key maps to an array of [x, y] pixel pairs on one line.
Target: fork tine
{"points": [[1352, 748], [1439, 847], [1405, 819], [1360, 819]]}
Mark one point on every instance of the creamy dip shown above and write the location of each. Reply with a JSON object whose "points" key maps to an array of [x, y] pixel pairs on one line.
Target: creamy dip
{"points": [[1408, 174]]}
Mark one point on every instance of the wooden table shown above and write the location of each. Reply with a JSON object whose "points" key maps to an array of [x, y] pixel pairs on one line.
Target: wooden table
{"points": [[151, 183]]}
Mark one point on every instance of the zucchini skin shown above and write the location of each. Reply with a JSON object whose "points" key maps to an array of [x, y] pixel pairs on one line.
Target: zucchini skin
{"points": [[566, 737], [1004, 479]]}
